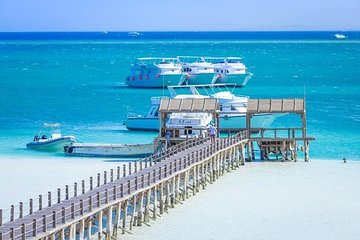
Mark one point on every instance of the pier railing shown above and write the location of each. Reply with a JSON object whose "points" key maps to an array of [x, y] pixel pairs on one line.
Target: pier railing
{"points": [[52, 197], [66, 209]]}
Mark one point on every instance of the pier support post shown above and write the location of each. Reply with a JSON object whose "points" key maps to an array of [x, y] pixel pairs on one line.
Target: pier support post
{"points": [[133, 208], [154, 202], [147, 206], [100, 225], [139, 217], [81, 229], [109, 224], [124, 210]]}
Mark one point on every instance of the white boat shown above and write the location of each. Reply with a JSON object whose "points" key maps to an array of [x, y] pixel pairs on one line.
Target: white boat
{"points": [[109, 150], [230, 70], [232, 108], [196, 70], [339, 36], [134, 34], [55, 142], [154, 72]]}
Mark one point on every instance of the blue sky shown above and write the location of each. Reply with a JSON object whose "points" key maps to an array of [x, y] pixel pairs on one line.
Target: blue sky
{"points": [[185, 15]]}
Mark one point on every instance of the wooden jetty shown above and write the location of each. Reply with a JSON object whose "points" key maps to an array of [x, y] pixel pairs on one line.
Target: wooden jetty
{"points": [[141, 191], [105, 211]]}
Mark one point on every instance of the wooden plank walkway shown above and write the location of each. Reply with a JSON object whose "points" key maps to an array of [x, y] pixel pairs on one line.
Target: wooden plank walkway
{"points": [[156, 183]]}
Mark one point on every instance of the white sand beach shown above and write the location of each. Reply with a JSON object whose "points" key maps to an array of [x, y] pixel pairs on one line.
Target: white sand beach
{"points": [[27, 177], [269, 200], [261, 200]]}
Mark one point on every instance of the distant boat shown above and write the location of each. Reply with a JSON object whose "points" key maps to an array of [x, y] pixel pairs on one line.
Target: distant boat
{"points": [[54, 143], [340, 36], [134, 34]]}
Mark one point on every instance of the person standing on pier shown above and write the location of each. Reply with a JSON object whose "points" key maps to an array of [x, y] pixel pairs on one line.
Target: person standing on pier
{"points": [[212, 131]]}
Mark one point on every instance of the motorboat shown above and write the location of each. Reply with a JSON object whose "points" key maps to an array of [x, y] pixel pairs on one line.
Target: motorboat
{"points": [[339, 36], [109, 150], [232, 108], [55, 142], [154, 72], [196, 70], [230, 70]]}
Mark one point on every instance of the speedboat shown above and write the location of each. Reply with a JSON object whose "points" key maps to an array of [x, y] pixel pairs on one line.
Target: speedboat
{"points": [[196, 70], [339, 36], [154, 72], [54, 143], [232, 108], [230, 70]]}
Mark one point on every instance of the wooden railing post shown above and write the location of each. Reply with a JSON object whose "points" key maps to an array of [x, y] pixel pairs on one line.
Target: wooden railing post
{"points": [[49, 199], [12, 213], [82, 186], [67, 192], [40, 202], [129, 189], [105, 177], [98, 180], [135, 166], [118, 172], [81, 207], [23, 231], [1, 217], [34, 233], [106, 196], [63, 215], [111, 175], [44, 223], [31, 206], [121, 190], [72, 211], [75, 189], [114, 193], [54, 219], [98, 199], [90, 204], [91, 183], [124, 170], [58, 195], [136, 183], [129, 169], [21, 208]]}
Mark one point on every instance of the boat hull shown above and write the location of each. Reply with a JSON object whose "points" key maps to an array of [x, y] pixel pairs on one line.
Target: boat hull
{"points": [[199, 79], [226, 122], [154, 81], [109, 150], [53, 145], [239, 79]]}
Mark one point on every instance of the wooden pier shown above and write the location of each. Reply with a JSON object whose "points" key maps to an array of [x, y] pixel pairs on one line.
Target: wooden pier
{"points": [[114, 208], [141, 191]]}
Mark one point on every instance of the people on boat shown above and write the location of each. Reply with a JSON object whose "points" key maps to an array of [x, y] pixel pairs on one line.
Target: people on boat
{"points": [[43, 137], [36, 138]]}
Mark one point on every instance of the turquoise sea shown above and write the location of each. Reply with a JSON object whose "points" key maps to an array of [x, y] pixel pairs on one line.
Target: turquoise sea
{"points": [[77, 79]]}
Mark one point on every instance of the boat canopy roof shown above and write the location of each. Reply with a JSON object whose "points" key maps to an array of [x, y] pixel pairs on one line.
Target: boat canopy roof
{"points": [[202, 105]]}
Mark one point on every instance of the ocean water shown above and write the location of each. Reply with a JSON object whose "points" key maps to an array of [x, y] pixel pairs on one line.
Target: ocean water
{"points": [[77, 79]]}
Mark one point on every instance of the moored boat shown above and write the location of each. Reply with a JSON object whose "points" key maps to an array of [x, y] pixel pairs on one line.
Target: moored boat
{"points": [[154, 72], [232, 108], [230, 70], [55, 142], [109, 150]]}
